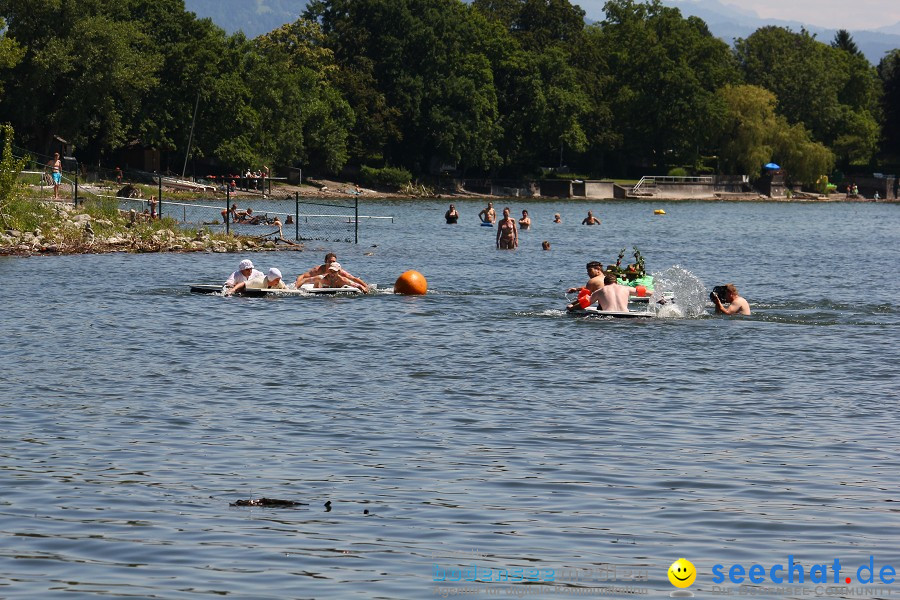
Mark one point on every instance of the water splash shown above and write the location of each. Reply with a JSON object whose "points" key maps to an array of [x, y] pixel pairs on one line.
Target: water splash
{"points": [[689, 292]]}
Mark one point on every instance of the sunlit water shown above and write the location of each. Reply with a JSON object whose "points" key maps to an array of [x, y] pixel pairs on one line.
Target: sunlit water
{"points": [[478, 424]]}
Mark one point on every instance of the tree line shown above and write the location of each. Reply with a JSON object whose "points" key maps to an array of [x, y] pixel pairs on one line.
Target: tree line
{"points": [[494, 87]]}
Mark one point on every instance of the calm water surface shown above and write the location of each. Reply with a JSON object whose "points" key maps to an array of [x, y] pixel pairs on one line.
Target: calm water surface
{"points": [[476, 425]]}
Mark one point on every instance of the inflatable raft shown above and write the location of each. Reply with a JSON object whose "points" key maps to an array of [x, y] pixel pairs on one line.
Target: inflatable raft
{"points": [[305, 290]]}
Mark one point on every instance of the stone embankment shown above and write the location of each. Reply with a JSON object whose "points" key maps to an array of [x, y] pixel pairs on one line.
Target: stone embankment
{"points": [[75, 232]]}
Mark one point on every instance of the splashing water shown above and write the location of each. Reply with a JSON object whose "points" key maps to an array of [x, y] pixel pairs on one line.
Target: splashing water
{"points": [[689, 292]]}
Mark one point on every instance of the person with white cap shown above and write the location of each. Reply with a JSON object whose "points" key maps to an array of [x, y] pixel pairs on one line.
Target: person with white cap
{"points": [[244, 273], [336, 277], [316, 274], [272, 281]]}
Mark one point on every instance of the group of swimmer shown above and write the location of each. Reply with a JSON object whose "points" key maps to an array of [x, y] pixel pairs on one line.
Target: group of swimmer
{"points": [[330, 274], [604, 290], [508, 227]]}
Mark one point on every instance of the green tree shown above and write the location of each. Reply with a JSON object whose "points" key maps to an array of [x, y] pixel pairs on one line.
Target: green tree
{"points": [[829, 90], [844, 41], [663, 73], [889, 74], [752, 134]]}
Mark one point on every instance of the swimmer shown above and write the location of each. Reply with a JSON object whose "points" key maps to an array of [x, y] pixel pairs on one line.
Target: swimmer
{"points": [[525, 221], [556, 218], [594, 282], [336, 277], [272, 281], [488, 215], [452, 215], [316, 273], [244, 273], [545, 245], [507, 232], [590, 219], [737, 305], [613, 296]]}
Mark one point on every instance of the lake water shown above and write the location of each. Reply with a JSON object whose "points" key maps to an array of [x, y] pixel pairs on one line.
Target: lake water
{"points": [[477, 425]]}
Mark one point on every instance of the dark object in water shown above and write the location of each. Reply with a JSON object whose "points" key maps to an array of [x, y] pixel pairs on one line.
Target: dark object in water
{"points": [[719, 291], [328, 506], [269, 502]]}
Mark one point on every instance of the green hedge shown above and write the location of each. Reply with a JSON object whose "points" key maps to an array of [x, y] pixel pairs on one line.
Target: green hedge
{"points": [[389, 176]]}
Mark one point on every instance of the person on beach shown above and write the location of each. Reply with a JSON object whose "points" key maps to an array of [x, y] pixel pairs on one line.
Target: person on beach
{"points": [[316, 273], [590, 219], [613, 296], [507, 232], [488, 215], [451, 216], [152, 202], [244, 273], [594, 282], [55, 167], [525, 221], [556, 218], [272, 281], [736, 304]]}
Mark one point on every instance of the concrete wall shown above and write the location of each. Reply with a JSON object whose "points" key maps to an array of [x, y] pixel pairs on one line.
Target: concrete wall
{"points": [[556, 188], [593, 189], [685, 190]]}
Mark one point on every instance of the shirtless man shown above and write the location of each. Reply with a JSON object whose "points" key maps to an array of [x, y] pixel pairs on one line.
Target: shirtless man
{"points": [[613, 297], [594, 283], [737, 305], [316, 273], [335, 277], [55, 166], [488, 215], [590, 219]]}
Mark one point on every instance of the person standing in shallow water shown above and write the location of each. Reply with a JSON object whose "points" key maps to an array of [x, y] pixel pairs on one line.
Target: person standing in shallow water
{"points": [[451, 216], [507, 232], [590, 219], [525, 221], [737, 305]]}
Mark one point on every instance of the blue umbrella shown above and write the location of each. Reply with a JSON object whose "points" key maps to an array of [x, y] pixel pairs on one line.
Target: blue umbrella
{"points": [[772, 166]]}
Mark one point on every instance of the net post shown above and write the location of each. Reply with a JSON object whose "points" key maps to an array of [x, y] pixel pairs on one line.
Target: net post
{"points": [[356, 220], [227, 209], [297, 216], [159, 195]]}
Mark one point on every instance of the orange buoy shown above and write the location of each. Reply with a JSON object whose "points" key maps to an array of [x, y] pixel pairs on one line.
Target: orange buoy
{"points": [[411, 283]]}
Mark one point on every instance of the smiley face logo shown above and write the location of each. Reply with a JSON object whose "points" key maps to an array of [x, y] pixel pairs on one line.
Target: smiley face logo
{"points": [[682, 573]]}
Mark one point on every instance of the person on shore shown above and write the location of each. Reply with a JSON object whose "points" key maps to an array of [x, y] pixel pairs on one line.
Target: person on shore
{"points": [[590, 219], [336, 277], [55, 167], [272, 281], [244, 273], [594, 282], [613, 296], [488, 214], [507, 232], [451, 216], [545, 245], [736, 304], [152, 202], [556, 218], [316, 273], [525, 221]]}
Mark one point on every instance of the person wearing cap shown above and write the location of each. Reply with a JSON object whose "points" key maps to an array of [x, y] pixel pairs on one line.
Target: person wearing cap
{"points": [[272, 281], [315, 274], [336, 277], [244, 273]]}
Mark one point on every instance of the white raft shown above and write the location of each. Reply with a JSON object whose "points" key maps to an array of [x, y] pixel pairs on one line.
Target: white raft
{"points": [[305, 290]]}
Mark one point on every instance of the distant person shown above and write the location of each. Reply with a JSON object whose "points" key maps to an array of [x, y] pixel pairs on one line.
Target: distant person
{"points": [[118, 176], [152, 203], [55, 166], [545, 245], [594, 282], [452, 215], [231, 213], [507, 232], [244, 273], [556, 218], [736, 304], [272, 281], [525, 221], [488, 215], [613, 296], [590, 219]]}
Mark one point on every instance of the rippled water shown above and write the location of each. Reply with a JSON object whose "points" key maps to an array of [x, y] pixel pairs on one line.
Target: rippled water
{"points": [[478, 424]]}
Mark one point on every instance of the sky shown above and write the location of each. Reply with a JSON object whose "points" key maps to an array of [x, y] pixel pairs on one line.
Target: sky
{"points": [[833, 14]]}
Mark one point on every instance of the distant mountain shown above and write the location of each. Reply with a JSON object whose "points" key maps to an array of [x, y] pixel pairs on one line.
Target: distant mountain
{"points": [[253, 17], [730, 22]]}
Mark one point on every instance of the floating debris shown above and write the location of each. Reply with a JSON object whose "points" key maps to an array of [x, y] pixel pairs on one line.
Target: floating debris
{"points": [[269, 502]]}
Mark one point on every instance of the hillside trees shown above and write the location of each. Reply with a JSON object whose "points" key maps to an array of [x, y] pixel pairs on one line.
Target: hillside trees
{"points": [[889, 73], [831, 91]]}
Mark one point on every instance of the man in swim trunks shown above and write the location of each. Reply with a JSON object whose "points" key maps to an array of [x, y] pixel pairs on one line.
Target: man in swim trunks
{"points": [[613, 297], [244, 273], [594, 282], [737, 305], [336, 277], [488, 215], [272, 281], [56, 172], [315, 274]]}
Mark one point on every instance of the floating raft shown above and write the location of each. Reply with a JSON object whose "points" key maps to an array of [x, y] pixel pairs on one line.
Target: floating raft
{"points": [[305, 290]]}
